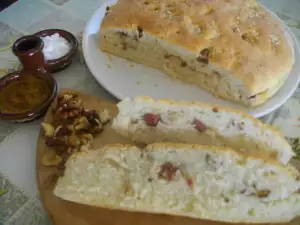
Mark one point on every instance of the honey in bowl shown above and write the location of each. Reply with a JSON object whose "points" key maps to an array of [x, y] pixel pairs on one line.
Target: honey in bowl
{"points": [[26, 95], [23, 94]]}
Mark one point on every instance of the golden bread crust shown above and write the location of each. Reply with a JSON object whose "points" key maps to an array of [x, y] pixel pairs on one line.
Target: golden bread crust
{"points": [[242, 37]]}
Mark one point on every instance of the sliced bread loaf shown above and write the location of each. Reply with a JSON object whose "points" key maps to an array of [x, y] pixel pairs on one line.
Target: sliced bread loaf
{"points": [[195, 181], [235, 49], [147, 121]]}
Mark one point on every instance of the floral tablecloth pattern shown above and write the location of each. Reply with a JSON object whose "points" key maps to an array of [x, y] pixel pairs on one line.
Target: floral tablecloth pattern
{"points": [[19, 202]]}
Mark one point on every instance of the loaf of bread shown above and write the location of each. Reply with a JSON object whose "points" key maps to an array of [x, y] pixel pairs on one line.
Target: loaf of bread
{"points": [[235, 49], [146, 121], [185, 180]]}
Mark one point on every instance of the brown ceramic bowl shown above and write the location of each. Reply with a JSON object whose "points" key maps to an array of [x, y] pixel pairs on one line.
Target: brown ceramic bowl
{"points": [[63, 62], [36, 112]]}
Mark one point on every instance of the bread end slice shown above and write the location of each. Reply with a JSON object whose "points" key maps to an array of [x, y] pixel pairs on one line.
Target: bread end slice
{"points": [[182, 180], [200, 123]]}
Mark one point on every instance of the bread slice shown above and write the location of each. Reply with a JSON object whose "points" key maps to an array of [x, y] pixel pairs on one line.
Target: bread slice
{"points": [[198, 123], [185, 180], [235, 49]]}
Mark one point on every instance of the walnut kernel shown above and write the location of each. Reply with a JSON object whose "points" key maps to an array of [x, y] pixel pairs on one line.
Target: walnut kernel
{"points": [[48, 129], [51, 159]]}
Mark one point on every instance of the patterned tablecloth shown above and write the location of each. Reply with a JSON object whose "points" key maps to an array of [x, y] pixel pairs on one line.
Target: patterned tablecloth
{"points": [[19, 201]]}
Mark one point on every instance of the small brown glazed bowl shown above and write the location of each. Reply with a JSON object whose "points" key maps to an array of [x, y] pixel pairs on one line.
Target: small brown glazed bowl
{"points": [[62, 62], [35, 112]]}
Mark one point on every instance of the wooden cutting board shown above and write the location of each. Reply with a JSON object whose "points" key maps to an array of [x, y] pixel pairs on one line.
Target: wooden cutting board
{"points": [[67, 213]]}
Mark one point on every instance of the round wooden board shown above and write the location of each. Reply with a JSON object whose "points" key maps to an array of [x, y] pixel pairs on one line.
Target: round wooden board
{"points": [[68, 213]]}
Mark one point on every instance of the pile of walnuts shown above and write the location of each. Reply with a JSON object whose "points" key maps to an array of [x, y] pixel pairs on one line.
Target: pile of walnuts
{"points": [[72, 128]]}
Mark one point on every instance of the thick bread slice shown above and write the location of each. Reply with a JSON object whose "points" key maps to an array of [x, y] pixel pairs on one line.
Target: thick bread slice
{"points": [[185, 180], [235, 49], [220, 126]]}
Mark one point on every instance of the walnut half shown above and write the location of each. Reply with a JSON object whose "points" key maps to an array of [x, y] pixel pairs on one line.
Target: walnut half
{"points": [[68, 106], [94, 120], [51, 159], [48, 129], [104, 116], [81, 123]]}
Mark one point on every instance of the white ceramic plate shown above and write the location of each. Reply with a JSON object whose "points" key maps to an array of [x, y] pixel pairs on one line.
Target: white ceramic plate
{"points": [[123, 78]]}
